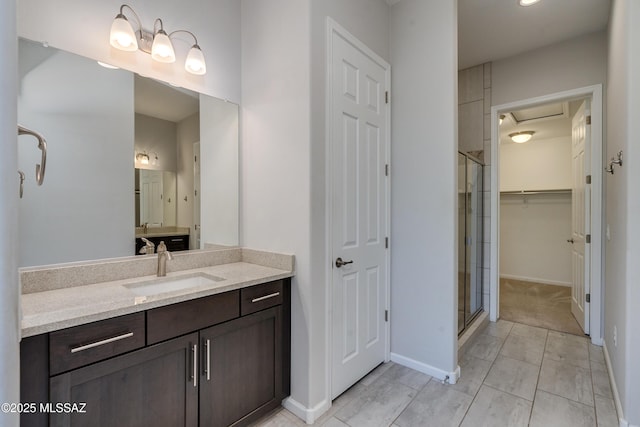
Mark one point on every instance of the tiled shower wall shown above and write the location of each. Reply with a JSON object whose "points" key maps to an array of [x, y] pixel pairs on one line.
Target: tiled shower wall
{"points": [[474, 137]]}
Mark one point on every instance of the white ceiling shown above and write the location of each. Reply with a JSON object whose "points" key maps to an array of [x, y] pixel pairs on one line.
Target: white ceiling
{"points": [[544, 127], [494, 29], [157, 99]]}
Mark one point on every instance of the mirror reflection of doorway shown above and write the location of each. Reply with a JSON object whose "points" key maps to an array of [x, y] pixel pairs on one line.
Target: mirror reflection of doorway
{"points": [[196, 244]]}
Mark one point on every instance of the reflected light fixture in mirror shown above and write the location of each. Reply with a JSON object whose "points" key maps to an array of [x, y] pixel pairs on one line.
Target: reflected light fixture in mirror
{"points": [[143, 158], [157, 43], [521, 137]]}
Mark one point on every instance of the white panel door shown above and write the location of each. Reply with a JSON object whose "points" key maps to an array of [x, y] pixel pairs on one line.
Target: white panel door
{"points": [[359, 117], [151, 188], [580, 216]]}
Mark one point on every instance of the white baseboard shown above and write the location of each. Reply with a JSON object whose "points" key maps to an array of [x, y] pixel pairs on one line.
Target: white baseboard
{"points": [[427, 369], [614, 388], [308, 415], [535, 280]]}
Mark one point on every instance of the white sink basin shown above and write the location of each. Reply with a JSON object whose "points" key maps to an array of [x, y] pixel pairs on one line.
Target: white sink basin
{"points": [[161, 286]]}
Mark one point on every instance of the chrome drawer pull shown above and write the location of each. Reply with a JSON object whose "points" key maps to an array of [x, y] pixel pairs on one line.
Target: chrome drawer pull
{"points": [[275, 294], [102, 342], [208, 369], [195, 365]]}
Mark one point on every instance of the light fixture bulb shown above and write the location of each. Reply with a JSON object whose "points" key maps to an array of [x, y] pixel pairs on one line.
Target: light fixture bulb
{"points": [[521, 137], [162, 49], [528, 2], [194, 63], [122, 35]]}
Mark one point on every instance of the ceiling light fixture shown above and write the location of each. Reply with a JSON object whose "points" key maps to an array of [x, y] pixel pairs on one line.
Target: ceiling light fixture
{"points": [[520, 137], [157, 43], [526, 3]]}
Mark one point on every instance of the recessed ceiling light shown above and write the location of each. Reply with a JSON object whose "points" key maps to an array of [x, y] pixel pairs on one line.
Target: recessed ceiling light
{"points": [[528, 2]]}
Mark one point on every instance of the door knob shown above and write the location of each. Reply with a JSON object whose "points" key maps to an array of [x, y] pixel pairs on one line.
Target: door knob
{"points": [[570, 240], [340, 262]]}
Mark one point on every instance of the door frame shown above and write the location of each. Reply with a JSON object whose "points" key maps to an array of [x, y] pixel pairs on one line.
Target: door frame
{"points": [[597, 208], [333, 28]]}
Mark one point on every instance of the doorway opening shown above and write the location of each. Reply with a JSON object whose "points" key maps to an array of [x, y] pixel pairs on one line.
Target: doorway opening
{"points": [[546, 203], [541, 204]]}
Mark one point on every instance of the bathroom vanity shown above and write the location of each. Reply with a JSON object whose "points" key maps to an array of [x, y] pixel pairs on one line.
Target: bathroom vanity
{"points": [[213, 354]]}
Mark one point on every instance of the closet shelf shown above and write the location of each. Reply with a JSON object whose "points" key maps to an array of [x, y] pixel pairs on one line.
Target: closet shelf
{"points": [[532, 192]]}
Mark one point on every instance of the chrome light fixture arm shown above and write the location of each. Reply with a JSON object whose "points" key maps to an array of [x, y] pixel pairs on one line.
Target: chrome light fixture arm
{"points": [[134, 14]]}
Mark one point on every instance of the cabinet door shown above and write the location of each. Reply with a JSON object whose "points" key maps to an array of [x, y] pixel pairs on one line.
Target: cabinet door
{"points": [[155, 386], [241, 373]]}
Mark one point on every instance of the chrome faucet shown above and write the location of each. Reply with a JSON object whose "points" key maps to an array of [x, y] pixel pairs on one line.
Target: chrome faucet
{"points": [[148, 247], [163, 255]]}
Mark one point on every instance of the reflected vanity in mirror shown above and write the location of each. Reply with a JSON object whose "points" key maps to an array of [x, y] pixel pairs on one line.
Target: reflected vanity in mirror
{"points": [[100, 193]]}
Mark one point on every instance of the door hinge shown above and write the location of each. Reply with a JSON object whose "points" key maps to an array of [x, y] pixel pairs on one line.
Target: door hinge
{"points": [[588, 119], [386, 97], [386, 315], [588, 296], [588, 238], [588, 179], [386, 243], [386, 170]]}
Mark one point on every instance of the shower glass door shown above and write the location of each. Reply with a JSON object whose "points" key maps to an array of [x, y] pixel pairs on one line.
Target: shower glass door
{"points": [[470, 254]]}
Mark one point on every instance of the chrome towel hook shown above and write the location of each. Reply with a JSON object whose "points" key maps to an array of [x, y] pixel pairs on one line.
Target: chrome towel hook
{"points": [[21, 183], [42, 145], [614, 161]]}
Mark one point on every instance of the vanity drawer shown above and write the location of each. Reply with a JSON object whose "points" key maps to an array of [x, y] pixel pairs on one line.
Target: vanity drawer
{"points": [[81, 345], [171, 321], [260, 297]]}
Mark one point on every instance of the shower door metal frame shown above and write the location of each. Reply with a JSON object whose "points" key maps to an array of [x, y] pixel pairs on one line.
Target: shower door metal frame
{"points": [[465, 241]]}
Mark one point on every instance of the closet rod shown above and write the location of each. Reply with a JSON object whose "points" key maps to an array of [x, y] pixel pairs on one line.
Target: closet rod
{"points": [[527, 193]]}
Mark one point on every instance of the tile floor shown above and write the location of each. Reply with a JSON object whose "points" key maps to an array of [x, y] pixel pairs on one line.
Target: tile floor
{"points": [[512, 375]]}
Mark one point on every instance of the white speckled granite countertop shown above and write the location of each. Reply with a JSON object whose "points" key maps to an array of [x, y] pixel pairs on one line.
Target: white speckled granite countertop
{"points": [[45, 310]]}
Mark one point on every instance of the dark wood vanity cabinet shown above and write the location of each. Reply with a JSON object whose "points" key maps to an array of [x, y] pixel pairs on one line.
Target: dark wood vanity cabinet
{"points": [[227, 370], [173, 243], [245, 356], [149, 387]]}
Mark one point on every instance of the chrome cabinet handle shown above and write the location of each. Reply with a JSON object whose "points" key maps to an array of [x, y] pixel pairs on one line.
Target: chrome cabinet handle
{"points": [[570, 240], [340, 262], [101, 342], [207, 369], [275, 294], [194, 349]]}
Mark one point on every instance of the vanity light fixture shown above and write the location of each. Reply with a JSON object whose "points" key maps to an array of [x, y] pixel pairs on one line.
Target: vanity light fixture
{"points": [[157, 43], [501, 118], [143, 158], [526, 3], [520, 137]]}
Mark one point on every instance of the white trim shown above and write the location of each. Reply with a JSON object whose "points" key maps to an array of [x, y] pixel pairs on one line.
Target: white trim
{"points": [[614, 387], [334, 27], [597, 202], [535, 280], [308, 415], [450, 377]]}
